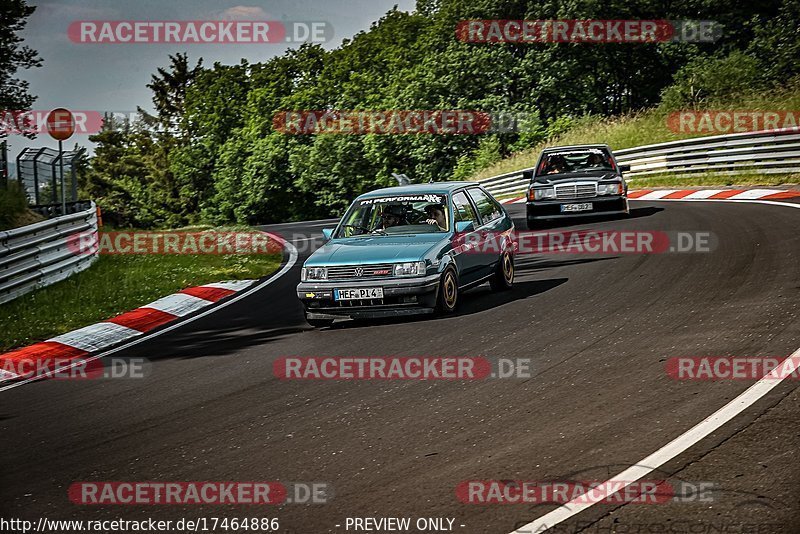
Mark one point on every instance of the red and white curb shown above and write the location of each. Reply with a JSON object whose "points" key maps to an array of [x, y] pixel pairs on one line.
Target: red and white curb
{"points": [[97, 337], [699, 194]]}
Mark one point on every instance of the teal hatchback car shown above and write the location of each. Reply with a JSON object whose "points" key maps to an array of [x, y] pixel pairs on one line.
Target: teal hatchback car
{"points": [[407, 250]]}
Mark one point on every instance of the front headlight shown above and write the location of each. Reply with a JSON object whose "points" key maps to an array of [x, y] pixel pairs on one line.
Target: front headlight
{"points": [[313, 273], [609, 189], [544, 193], [416, 268]]}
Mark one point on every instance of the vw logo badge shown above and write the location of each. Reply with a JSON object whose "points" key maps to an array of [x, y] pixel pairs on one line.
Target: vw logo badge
{"points": [[359, 271]]}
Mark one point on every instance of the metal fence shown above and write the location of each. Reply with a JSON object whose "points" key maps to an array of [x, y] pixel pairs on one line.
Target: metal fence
{"points": [[46, 252], [769, 152], [39, 171]]}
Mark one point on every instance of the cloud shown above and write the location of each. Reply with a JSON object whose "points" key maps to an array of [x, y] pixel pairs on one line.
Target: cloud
{"points": [[244, 13], [58, 12]]}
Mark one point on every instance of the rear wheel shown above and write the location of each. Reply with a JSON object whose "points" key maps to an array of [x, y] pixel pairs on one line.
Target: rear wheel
{"points": [[448, 292], [503, 277], [319, 323]]}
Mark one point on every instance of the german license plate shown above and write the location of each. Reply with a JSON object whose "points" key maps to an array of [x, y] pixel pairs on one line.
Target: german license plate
{"points": [[358, 294], [566, 208]]}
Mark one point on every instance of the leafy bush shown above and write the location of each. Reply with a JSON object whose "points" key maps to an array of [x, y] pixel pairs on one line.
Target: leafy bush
{"points": [[13, 205], [708, 79]]}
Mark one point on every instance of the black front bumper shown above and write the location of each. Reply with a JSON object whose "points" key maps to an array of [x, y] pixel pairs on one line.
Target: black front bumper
{"points": [[400, 297], [540, 210]]}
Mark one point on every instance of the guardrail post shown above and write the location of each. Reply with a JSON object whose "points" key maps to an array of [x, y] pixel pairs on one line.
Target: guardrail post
{"points": [[53, 181], [3, 165]]}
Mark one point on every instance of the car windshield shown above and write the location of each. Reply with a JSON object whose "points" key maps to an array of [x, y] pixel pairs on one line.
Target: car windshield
{"points": [[391, 215], [582, 160]]}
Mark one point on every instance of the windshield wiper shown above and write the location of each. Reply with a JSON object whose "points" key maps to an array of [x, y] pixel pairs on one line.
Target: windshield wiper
{"points": [[378, 231]]}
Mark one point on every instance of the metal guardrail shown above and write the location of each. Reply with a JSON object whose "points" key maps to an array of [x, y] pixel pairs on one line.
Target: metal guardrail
{"points": [[767, 152], [46, 252]]}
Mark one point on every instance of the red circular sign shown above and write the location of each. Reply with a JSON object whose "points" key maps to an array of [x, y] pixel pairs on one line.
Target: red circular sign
{"points": [[60, 124]]}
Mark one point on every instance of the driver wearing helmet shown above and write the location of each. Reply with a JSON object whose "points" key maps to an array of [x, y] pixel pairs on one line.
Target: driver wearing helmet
{"points": [[392, 215], [558, 165]]}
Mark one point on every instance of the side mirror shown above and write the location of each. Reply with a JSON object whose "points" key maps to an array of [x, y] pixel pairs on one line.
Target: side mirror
{"points": [[327, 233], [624, 168], [464, 226]]}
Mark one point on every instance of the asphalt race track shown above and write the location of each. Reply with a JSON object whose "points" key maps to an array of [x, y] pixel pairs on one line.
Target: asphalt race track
{"points": [[597, 328]]}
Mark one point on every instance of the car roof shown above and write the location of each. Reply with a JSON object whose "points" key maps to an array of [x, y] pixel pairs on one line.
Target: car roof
{"points": [[571, 147], [418, 189]]}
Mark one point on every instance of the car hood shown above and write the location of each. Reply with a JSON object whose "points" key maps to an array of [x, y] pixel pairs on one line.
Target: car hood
{"points": [[576, 177], [376, 249]]}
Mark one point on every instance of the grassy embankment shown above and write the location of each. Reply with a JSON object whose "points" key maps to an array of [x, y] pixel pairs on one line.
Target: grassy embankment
{"points": [[648, 127], [115, 284]]}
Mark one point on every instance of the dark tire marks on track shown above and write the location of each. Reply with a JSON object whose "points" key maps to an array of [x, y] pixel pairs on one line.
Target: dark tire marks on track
{"points": [[598, 329]]}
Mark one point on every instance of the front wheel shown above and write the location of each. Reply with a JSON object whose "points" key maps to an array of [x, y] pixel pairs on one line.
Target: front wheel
{"points": [[448, 292], [503, 277]]}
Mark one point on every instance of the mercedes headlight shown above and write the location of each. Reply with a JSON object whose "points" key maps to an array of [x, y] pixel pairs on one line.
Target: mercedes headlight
{"points": [[416, 268], [544, 193], [609, 189]]}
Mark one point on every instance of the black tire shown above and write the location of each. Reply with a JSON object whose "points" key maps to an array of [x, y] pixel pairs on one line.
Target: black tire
{"points": [[533, 224], [447, 298], [319, 323], [503, 277]]}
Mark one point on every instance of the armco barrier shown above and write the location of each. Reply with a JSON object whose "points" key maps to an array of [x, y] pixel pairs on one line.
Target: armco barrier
{"points": [[41, 254], [767, 152]]}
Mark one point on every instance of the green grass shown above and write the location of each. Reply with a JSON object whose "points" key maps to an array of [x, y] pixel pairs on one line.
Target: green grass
{"points": [[645, 128], [116, 284]]}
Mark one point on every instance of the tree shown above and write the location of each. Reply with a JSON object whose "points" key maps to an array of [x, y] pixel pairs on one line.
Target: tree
{"points": [[169, 88], [14, 94]]}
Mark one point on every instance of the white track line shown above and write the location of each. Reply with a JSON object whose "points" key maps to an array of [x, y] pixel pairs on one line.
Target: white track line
{"points": [[289, 264], [733, 200], [685, 440], [668, 451]]}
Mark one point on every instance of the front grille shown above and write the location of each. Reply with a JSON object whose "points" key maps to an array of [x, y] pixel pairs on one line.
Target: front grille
{"points": [[360, 272], [576, 190]]}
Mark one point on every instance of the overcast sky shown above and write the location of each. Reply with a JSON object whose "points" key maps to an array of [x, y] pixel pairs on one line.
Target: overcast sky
{"points": [[113, 76]]}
